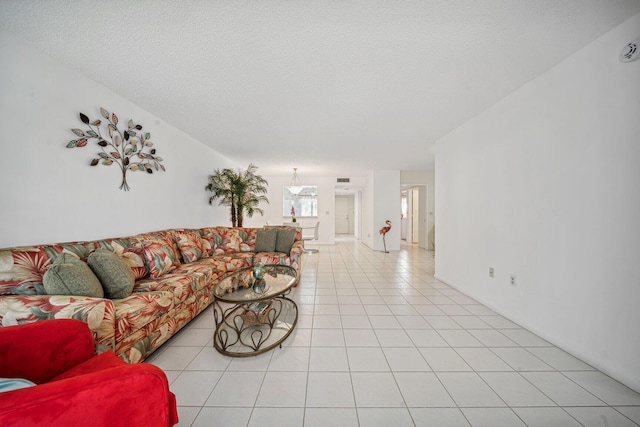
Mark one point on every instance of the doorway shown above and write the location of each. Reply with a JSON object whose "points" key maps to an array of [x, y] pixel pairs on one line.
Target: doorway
{"points": [[345, 213], [413, 215]]}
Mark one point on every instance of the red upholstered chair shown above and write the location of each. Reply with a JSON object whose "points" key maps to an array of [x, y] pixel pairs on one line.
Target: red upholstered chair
{"points": [[74, 387]]}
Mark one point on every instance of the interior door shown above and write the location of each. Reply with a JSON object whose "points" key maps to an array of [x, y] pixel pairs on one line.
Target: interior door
{"points": [[342, 215], [351, 214]]}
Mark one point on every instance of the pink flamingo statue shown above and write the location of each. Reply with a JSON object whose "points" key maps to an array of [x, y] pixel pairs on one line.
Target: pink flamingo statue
{"points": [[383, 232]]}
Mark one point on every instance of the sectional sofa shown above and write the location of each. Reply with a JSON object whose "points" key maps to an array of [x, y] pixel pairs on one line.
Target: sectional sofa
{"points": [[174, 272]]}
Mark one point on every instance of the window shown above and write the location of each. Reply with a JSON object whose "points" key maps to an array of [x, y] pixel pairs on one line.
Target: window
{"points": [[305, 204]]}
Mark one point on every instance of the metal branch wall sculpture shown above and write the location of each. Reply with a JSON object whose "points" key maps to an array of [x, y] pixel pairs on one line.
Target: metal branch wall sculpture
{"points": [[130, 149]]}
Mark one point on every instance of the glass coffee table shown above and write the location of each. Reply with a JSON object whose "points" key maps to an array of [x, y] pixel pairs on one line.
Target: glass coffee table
{"points": [[253, 317]]}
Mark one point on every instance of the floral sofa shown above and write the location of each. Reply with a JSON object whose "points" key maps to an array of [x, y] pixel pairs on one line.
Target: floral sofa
{"points": [[175, 271]]}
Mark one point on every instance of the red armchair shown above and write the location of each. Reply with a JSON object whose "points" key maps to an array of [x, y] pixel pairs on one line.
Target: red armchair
{"points": [[74, 386]]}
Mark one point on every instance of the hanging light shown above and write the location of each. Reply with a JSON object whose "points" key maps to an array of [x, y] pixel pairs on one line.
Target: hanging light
{"points": [[295, 187]]}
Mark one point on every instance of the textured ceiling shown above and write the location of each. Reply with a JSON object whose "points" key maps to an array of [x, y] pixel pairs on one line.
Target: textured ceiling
{"points": [[327, 86]]}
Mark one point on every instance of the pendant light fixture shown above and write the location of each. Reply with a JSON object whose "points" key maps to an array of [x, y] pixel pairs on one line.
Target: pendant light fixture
{"points": [[295, 187]]}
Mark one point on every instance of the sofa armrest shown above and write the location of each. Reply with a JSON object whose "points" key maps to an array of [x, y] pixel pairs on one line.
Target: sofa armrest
{"points": [[40, 351], [295, 256], [98, 313], [297, 248], [129, 395]]}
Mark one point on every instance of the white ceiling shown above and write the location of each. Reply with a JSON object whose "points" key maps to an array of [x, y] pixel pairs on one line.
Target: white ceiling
{"points": [[326, 86]]}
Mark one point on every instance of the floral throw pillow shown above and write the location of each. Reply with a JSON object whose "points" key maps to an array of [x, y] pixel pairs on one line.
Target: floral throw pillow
{"points": [[190, 245], [209, 239], [22, 269], [230, 241], [160, 257]]}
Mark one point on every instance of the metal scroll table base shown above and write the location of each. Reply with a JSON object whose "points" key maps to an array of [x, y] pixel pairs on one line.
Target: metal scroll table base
{"points": [[243, 332]]}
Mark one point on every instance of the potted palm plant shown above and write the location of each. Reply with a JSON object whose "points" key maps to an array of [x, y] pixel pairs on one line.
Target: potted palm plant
{"points": [[242, 191]]}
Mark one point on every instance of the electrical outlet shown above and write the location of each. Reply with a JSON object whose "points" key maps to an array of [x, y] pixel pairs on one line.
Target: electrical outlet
{"points": [[513, 280], [491, 272]]}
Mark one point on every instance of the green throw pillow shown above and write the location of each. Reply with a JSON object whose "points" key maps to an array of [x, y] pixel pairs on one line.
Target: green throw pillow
{"points": [[266, 240], [68, 275], [115, 275], [285, 239]]}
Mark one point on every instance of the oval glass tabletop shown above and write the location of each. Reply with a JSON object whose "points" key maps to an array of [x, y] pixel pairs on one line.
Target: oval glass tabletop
{"points": [[240, 286]]}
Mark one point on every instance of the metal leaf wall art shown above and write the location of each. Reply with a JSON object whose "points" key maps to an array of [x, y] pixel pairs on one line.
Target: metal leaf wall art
{"points": [[131, 149]]}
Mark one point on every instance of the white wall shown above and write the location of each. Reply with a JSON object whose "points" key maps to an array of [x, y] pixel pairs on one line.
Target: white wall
{"points": [[367, 212], [383, 198], [546, 185], [51, 194]]}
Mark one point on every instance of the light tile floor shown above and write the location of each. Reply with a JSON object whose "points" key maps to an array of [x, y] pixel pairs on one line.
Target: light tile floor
{"points": [[381, 342]]}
